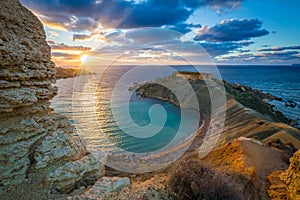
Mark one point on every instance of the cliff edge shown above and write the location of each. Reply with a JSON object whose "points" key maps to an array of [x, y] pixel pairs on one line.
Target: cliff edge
{"points": [[40, 154]]}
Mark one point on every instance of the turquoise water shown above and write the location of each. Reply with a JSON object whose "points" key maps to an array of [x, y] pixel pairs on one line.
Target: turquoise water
{"points": [[152, 125], [139, 110]]}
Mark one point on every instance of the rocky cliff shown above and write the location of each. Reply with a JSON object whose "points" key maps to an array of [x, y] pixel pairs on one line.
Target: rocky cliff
{"points": [[40, 154], [291, 177], [286, 185]]}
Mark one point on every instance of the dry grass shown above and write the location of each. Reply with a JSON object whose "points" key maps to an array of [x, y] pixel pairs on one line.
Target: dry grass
{"points": [[193, 180]]}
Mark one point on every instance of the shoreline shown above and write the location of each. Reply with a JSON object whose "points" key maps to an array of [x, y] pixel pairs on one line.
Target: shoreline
{"points": [[251, 103], [264, 96]]}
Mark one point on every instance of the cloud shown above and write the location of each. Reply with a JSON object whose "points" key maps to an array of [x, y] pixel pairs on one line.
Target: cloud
{"points": [[156, 13], [243, 50], [62, 46], [270, 57], [108, 34], [65, 56], [83, 36], [82, 23], [222, 48], [216, 4], [183, 27], [148, 45], [280, 48], [83, 15], [53, 33], [111, 34], [150, 36], [232, 30], [288, 55]]}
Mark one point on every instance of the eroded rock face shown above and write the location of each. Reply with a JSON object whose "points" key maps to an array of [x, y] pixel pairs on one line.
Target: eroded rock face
{"points": [[102, 188], [291, 177], [39, 148], [288, 184]]}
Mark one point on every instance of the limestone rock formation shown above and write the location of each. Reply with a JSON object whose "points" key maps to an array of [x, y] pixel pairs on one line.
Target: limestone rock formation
{"points": [[103, 188], [40, 152], [291, 177], [286, 185]]}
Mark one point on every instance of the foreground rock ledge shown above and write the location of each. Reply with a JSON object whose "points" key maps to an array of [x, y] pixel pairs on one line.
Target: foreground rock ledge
{"points": [[41, 155]]}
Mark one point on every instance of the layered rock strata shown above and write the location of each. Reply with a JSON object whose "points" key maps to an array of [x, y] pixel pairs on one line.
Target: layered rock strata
{"points": [[286, 185], [40, 154]]}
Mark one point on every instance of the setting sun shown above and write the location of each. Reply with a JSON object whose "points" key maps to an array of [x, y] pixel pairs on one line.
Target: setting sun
{"points": [[83, 58]]}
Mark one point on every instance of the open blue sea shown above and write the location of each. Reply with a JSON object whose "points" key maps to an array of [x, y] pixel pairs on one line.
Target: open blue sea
{"points": [[86, 100]]}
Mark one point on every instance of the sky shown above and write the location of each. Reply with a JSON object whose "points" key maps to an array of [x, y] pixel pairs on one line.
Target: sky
{"points": [[170, 31]]}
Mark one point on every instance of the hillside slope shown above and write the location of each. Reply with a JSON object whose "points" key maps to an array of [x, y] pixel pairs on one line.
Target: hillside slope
{"points": [[247, 114]]}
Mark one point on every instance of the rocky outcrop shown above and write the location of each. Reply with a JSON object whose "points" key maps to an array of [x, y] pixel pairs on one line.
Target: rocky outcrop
{"points": [[291, 177], [286, 185], [103, 188], [138, 187], [40, 154]]}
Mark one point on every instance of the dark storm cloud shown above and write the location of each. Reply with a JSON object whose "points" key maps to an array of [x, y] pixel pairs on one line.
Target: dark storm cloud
{"points": [[83, 15], [232, 30], [222, 48], [281, 48]]}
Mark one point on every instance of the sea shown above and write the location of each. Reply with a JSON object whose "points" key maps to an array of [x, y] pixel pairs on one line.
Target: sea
{"points": [[114, 119]]}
